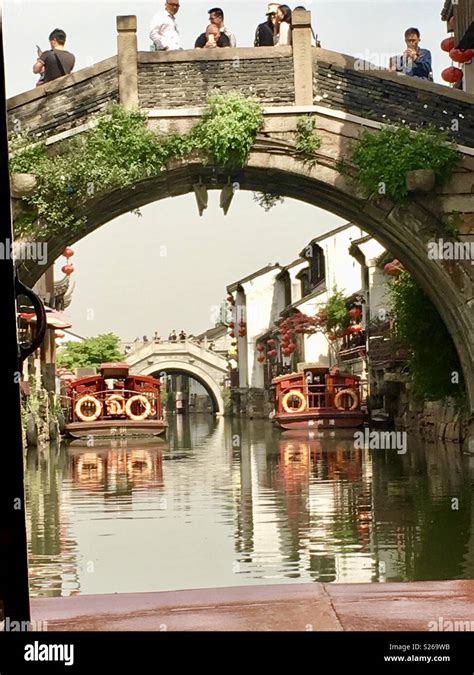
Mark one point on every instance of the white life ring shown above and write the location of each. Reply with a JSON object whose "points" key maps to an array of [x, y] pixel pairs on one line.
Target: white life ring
{"points": [[346, 392], [115, 404], [88, 399], [144, 401], [294, 393]]}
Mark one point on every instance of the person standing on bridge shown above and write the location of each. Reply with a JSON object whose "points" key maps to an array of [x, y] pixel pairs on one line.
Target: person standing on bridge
{"points": [[414, 62], [283, 26], [55, 62], [164, 31], [264, 35], [216, 17]]}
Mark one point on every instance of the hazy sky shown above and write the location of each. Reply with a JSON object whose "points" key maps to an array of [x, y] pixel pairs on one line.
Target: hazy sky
{"points": [[178, 265]]}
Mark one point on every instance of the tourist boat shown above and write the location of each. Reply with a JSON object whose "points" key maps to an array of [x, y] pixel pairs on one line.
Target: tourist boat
{"points": [[114, 404], [318, 397]]}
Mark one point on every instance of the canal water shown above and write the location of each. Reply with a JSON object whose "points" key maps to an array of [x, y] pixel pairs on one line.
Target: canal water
{"points": [[233, 502]]}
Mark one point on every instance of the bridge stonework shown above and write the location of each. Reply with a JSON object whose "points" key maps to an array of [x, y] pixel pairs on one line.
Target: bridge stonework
{"points": [[172, 88]]}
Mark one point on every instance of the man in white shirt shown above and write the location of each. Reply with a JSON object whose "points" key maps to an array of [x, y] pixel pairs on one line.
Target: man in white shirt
{"points": [[216, 16], [164, 30]]}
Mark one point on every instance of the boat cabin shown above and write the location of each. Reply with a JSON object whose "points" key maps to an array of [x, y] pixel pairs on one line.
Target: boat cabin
{"points": [[318, 395]]}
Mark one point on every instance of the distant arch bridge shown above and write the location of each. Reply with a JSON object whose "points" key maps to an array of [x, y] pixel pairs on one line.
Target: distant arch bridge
{"points": [[186, 358]]}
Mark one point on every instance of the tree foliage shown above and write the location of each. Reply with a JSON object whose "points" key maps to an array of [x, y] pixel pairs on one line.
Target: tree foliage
{"points": [[434, 361], [90, 352]]}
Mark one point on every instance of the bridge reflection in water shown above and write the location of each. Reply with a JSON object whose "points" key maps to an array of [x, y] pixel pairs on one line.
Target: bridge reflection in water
{"points": [[225, 503]]}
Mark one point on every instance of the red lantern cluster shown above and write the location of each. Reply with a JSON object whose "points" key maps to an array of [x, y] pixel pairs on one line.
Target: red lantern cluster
{"points": [[242, 328], [261, 359], [452, 74], [68, 268]]}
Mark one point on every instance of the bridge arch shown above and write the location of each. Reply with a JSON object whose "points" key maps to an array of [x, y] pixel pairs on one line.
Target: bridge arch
{"points": [[404, 229], [176, 366]]}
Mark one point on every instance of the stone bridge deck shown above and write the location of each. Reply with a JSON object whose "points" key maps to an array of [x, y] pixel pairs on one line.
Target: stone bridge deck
{"points": [[278, 76]]}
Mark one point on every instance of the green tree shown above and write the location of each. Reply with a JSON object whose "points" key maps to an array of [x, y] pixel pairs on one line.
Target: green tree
{"points": [[434, 362], [91, 352]]}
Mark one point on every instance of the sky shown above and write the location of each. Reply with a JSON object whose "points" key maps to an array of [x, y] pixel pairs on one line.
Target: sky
{"points": [[175, 273]]}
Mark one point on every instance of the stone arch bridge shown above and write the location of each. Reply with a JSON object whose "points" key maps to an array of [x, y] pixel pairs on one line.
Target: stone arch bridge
{"points": [[187, 358], [345, 96]]}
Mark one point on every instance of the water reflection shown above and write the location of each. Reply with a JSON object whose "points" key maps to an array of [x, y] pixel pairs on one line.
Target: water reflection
{"points": [[230, 502]]}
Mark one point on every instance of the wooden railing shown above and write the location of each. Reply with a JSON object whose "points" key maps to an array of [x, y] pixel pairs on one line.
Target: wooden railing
{"points": [[108, 410]]}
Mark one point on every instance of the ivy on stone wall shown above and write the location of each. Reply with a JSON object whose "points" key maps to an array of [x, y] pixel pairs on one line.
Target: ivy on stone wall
{"points": [[434, 362], [307, 140], [384, 158], [121, 150]]}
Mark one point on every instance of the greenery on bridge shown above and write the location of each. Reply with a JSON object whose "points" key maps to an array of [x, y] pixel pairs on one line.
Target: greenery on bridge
{"points": [[91, 352], [121, 150], [384, 158], [434, 362]]}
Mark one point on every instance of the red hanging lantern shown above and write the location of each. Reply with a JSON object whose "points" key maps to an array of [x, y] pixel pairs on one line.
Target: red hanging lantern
{"points": [[231, 324], [355, 328], [67, 269], [271, 341], [68, 252], [355, 313], [332, 337], [394, 268], [242, 333], [292, 346], [452, 74], [272, 352], [260, 359], [452, 23], [447, 44], [461, 55], [230, 299], [241, 322], [260, 348], [232, 334]]}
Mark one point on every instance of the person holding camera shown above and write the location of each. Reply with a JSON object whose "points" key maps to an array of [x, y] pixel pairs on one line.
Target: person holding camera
{"points": [[55, 62], [212, 38]]}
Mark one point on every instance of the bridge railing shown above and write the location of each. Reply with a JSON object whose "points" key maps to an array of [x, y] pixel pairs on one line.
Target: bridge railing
{"points": [[203, 351]]}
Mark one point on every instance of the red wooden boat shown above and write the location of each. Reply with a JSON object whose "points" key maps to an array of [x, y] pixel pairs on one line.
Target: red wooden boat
{"points": [[114, 403], [318, 397]]}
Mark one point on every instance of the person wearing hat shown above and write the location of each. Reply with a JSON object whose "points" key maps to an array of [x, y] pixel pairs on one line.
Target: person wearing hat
{"points": [[265, 32]]}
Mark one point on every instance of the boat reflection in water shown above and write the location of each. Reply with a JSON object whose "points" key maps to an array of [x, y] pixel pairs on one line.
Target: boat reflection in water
{"points": [[329, 458], [116, 467]]}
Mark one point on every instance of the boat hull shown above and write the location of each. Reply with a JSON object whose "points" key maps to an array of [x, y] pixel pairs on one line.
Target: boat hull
{"points": [[333, 419], [116, 429]]}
